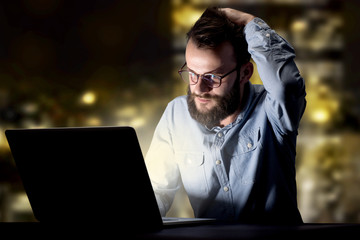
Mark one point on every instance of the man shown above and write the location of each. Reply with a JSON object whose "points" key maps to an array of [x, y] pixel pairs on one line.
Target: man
{"points": [[231, 143]]}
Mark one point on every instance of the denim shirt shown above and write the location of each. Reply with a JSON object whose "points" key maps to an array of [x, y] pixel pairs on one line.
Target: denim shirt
{"points": [[244, 171]]}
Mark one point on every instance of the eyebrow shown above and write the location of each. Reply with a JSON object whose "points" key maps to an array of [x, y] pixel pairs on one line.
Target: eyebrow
{"points": [[210, 72]]}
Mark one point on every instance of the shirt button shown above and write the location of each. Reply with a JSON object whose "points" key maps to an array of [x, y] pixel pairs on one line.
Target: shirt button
{"points": [[249, 145], [220, 134], [267, 35], [218, 162], [226, 189]]}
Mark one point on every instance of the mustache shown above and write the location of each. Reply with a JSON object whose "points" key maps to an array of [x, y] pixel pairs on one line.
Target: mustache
{"points": [[205, 96]]}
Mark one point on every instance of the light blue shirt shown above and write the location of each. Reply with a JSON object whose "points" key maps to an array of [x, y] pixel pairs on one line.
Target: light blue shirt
{"points": [[244, 171]]}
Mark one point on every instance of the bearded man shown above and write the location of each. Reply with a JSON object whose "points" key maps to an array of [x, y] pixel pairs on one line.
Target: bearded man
{"points": [[232, 144]]}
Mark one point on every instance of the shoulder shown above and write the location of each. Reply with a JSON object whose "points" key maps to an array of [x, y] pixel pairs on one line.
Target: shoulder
{"points": [[177, 116], [178, 101], [258, 90], [176, 108], [177, 104]]}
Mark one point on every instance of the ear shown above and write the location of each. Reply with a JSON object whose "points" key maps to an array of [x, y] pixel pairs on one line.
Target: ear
{"points": [[246, 71]]}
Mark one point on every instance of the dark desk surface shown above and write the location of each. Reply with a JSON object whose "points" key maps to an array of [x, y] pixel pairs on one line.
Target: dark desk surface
{"points": [[211, 231], [243, 231]]}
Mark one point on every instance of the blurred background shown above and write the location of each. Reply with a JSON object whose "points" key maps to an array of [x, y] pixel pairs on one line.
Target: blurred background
{"points": [[70, 63]]}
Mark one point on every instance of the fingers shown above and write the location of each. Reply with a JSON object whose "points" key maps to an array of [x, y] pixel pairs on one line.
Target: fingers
{"points": [[238, 17]]}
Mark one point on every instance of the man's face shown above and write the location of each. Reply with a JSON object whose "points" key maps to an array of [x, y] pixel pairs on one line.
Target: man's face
{"points": [[206, 104]]}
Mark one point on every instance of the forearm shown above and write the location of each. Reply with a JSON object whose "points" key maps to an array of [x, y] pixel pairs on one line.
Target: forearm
{"points": [[274, 58], [162, 169], [164, 176]]}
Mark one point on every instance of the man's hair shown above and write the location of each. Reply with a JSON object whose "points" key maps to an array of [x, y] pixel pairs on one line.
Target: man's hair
{"points": [[213, 28]]}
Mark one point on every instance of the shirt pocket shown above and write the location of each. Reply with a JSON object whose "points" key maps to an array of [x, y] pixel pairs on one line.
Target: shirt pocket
{"points": [[248, 141], [191, 165], [245, 160]]}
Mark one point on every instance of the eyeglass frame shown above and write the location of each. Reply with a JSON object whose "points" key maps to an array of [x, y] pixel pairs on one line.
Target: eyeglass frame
{"points": [[202, 75]]}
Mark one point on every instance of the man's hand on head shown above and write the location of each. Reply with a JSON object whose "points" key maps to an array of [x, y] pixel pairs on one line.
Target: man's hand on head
{"points": [[238, 17]]}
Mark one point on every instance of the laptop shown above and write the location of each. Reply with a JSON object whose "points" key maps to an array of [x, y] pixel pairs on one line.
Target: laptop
{"points": [[88, 175]]}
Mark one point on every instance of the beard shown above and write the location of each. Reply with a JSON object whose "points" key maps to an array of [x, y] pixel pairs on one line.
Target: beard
{"points": [[224, 106]]}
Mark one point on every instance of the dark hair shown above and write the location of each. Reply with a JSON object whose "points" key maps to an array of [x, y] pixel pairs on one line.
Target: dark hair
{"points": [[214, 28]]}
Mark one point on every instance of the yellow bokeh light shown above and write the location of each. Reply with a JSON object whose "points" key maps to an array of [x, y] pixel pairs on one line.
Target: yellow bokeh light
{"points": [[129, 111], [88, 98], [186, 16], [138, 122], [320, 116], [299, 26], [93, 121]]}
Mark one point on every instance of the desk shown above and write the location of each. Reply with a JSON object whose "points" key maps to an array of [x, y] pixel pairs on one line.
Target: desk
{"points": [[242, 231], [219, 231]]}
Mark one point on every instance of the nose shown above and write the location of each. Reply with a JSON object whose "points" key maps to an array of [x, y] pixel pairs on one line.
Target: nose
{"points": [[201, 87]]}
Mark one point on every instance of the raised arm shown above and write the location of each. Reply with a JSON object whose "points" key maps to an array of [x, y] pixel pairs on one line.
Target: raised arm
{"points": [[274, 57]]}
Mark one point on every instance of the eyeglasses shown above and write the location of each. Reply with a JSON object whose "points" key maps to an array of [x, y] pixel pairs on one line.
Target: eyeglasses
{"points": [[211, 80]]}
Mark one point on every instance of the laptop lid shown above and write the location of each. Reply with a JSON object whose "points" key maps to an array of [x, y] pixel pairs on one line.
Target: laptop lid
{"points": [[89, 174]]}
